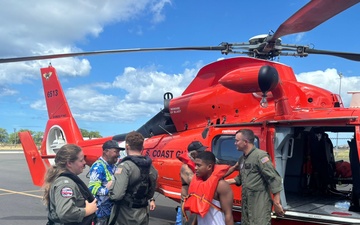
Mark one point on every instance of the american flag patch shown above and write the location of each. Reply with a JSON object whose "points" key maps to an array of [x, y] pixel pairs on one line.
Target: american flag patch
{"points": [[118, 170], [265, 159]]}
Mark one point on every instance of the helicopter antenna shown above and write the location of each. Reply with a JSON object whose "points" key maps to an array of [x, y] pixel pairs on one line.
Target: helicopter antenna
{"points": [[165, 130]]}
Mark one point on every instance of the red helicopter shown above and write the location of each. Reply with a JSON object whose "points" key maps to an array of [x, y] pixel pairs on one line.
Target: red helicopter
{"points": [[290, 120]]}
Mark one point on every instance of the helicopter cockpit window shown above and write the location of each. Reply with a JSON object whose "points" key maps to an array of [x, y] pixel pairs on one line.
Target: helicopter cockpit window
{"points": [[225, 150]]}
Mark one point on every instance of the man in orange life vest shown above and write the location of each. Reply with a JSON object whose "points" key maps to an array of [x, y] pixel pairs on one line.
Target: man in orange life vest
{"points": [[187, 172], [209, 196]]}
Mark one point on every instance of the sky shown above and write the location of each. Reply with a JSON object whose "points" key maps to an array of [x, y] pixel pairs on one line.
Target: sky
{"points": [[117, 93]]}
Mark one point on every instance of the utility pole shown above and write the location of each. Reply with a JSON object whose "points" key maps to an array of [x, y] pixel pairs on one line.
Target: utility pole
{"points": [[337, 134], [15, 136], [340, 77]]}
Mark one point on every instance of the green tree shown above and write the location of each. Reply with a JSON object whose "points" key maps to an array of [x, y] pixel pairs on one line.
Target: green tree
{"points": [[3, 135], [84, 133], [94, 134], [90, 134], [38, 136], [14, 137]]}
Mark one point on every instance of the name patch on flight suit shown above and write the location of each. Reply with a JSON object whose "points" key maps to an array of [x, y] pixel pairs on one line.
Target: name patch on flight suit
{"points": [[67, 192], [247, 166]]}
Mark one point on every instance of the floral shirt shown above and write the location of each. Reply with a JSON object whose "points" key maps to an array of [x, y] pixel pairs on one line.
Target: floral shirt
{"points": [[100, 174]]}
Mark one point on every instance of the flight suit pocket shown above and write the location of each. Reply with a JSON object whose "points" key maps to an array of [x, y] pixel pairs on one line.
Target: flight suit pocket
{"points": [[256, 188], [254, 179]]}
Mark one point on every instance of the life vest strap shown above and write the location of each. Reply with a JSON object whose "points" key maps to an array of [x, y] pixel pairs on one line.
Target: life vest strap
{"points": [[201, 198]]}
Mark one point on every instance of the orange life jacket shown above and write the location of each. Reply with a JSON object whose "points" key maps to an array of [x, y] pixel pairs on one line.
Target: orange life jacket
{"points": [[201, 193], [184, 158]]}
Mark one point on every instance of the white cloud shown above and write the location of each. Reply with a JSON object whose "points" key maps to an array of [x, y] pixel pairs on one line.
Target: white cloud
{"points": [[144, 89], [63, 22], [16, 73], [157, 9], [38, 105], [6, 91], [47, 27], [299, 37], [24, 72], [330, 80], [149, 85]]}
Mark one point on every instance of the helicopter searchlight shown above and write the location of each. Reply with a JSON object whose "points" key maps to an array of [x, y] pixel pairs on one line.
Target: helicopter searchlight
{"points": [[268, 79]]}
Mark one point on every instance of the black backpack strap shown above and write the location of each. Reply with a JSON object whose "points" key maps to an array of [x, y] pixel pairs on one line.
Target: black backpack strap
{"points": [[85, 193], [49, 222]]}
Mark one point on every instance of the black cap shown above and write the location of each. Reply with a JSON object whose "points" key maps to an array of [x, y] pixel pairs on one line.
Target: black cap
{"points": [[196, 146], [111, 144]]}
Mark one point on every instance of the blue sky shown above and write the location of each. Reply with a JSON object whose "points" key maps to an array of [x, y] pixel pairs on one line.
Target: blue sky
{"points": [[117, 93]]}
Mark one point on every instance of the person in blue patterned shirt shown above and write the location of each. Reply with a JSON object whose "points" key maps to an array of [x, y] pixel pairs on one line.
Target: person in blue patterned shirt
{"points": [[101, 177]]}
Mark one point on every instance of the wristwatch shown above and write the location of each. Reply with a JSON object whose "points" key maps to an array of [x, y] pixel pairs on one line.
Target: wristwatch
{"points": [[152, 199]]}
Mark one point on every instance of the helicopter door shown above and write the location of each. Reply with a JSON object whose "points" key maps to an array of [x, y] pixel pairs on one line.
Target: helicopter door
{"points": [[283, 145], [224, 149], [355, 169]]}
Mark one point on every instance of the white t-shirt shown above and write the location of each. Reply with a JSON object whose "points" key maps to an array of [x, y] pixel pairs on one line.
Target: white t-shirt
{"points": [[213, 216]]}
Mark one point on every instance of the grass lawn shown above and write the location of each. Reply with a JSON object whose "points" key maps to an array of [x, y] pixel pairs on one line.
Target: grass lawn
{"points": [[10, 147]]}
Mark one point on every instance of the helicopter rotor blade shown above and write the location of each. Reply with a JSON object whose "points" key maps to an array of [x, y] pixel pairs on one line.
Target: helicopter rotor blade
{"points": [[224, 48], [346, 55], [311, 15]]}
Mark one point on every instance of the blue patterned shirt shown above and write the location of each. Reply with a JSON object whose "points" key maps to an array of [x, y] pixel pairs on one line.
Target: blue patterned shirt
{"points": [[100, 174]]}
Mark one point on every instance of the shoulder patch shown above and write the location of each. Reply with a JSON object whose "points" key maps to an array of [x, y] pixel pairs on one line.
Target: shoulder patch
{"points": [[67, 192], [118, 170], [265, 159]]}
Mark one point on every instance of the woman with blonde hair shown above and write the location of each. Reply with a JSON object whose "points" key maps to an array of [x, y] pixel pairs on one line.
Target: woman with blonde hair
{"points": [[66, 196]]}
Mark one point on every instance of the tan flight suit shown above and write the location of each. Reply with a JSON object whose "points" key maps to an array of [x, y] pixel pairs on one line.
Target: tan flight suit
{"points": [[67, 203], [258, 178]]}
